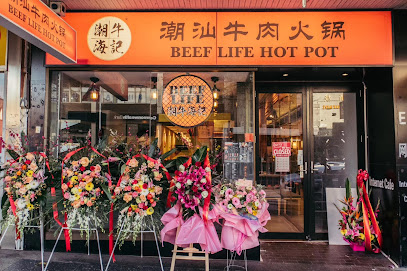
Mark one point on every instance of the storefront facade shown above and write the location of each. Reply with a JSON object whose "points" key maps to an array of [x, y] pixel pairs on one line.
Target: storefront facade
{"points": [[289, 109], [295, 107]]}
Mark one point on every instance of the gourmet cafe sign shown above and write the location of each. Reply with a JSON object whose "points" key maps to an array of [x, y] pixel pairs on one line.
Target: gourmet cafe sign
{"points": [[233, 38], [35, 22], [187, 101]]}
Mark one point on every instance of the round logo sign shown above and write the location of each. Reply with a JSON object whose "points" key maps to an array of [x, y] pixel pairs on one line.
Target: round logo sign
{"points": [[109, 38], [187, 100]]}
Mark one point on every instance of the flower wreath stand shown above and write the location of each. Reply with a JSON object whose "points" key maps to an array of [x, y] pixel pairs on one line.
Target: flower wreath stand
{"points": [[25, 187], [136, 195], [83, 199], [244, 210], [192, 186]]}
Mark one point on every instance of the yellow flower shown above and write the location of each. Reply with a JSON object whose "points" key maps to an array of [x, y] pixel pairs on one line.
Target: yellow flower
{"points": [[343, 232], [89, 186], [362, 236], [254, 213], [77, 197], [150, 211], [133, 207], [74, 179], [30, 206], [30, 173]]}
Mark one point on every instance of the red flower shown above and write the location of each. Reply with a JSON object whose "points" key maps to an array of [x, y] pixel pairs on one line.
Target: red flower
{"points": [[27, 162], [145, 207], [82, 168], [92, 168], [149, 196], [130, 209], [145, 186], [198, 164], [194, 188], [177, 173]]}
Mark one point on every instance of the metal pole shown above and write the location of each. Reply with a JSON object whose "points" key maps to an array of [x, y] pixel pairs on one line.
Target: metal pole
{"points": [[53, 249], [4, 234], [114, 247], [156, 243], [42, 238], [100, 253]]}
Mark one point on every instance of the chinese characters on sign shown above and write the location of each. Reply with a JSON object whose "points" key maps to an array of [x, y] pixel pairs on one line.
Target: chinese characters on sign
{"points": [[266, 30], [109, 38], [326, 38], [187, 101], [35, 22]]}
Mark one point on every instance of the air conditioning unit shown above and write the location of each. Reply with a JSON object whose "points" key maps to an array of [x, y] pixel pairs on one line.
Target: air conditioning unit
{"points": [[58, 7]]}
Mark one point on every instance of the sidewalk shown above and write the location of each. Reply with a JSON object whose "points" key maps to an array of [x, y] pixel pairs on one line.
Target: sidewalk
{"points": [[285, 256]]}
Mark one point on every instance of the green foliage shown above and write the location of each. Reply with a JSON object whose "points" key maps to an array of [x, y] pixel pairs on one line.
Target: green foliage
{"points": [[347, 185]]}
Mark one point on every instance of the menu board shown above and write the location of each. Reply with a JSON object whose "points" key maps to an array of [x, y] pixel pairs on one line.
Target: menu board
{"points": [[238, 160]]}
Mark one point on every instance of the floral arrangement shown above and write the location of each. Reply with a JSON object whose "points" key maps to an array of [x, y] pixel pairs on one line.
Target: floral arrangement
{"points": [[352, 224], [191, 184], [239, 198], [25, 187], [138, 193], [85, 191]]}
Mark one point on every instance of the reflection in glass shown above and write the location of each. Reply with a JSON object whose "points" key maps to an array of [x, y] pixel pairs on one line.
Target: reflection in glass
{"points": [[335, 147], [280, 121]]}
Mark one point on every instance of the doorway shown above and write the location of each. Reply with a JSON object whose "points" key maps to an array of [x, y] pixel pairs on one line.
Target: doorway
{"points": [[307, 141]]}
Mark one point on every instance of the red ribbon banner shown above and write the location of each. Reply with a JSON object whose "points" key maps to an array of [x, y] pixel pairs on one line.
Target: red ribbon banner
{"points": [[368, 214]]}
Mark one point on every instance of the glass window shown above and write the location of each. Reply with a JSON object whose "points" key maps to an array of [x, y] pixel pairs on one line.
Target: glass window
{"points": [[130, 103]]}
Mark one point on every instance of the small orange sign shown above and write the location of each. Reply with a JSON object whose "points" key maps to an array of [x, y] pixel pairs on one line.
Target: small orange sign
{"points": [[187, 101], [326, 38], [35, 22]]}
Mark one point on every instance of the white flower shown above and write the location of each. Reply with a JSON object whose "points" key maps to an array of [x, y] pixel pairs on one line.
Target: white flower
{"points": [[144, 178], [222, 192], [249, 188], [257, 203], [34, 184], [203, 180], [230, 206], [189, 182], [181, 168], [21, 204], [208, 169], [178, 185], [145, 192], [239, 196], [204, 194], [72, 198]]}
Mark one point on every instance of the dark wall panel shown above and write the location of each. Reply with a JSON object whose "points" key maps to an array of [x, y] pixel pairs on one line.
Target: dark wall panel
{"points": [[382, 167]]}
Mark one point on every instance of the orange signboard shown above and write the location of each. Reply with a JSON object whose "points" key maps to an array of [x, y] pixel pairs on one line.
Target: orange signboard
{"points": [[35, 22], [187, 101], [337, 38]]}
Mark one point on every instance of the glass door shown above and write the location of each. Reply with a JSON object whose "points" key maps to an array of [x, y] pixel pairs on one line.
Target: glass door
{"points": [[280, 160], [307, 141], [334, 146]]}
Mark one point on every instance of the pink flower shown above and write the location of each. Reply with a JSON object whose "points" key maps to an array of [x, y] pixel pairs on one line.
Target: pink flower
{"points": [[134, 194], [236, 202], [67, 195], [98, 168], [133, 163], [229, 192]]}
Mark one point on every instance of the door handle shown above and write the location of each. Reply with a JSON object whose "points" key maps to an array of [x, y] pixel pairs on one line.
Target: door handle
{"points": [[305, 168], [312, 167]]}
